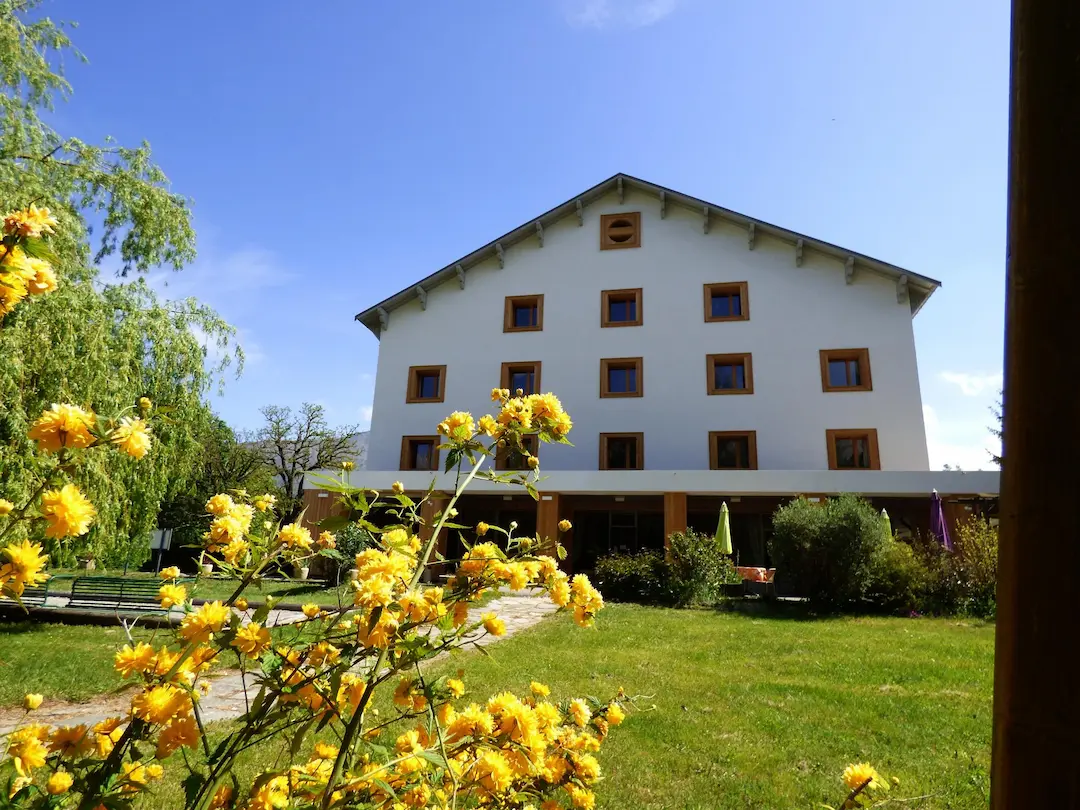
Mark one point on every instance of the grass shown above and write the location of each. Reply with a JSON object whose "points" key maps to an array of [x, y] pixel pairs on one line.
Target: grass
{"points": [[748, 712]]}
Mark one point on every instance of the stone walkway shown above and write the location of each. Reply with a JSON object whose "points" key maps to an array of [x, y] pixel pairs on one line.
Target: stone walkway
{"points": [[519, 610]]}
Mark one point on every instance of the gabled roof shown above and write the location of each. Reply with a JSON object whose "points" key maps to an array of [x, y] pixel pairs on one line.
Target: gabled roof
{"points": [[914, 288]]}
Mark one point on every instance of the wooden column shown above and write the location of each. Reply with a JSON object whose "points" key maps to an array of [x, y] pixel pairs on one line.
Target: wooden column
{"points": [[1036, 700], [429, 510], [547, 516], [674, 514]]}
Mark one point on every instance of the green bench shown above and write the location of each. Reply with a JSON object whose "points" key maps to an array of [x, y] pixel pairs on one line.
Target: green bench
{"points": [[35, 597], [120, 594]]}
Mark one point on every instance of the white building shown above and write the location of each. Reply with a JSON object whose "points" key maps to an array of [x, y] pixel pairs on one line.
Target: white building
{"points": [[702, 354]]}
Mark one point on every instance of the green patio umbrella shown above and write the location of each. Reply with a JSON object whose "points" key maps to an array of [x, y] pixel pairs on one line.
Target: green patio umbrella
{"points": [[723, 530], [886, 523]]}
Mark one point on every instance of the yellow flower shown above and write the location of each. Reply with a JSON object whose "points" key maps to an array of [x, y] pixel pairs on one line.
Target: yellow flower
{"points": [[311, 610], [32, 700], [327, 540], [225, 529], [145, 404], [106, 734], [493, 624], [132, 436], [25, 566], [222, 798], [492, 771], [533, 462], [235, 551], [481, 529], [160, 704], [172, 572], [565, 525], [348, 466], [397, 487], [295, 536], [203, 623], [580, 797], [12, 291], [456, 687], [857, 774], [540, 689], [67, 512], [6, 507], [516, 414], [182, 731], [560, 592], [580, 711], [59, 782], [586, 768], [252, 640], [169, 595], [220, 504], [44, 278], [497, 394], [265, 502], [69, 741], [32, 221], [458, 426], [487, 425], [63, 426], [241, 604], [615, 714], [27, 751]]}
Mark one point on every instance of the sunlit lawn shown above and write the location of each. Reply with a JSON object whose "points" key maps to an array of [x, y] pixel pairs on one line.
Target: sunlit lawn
{"points": [[745, 712]]}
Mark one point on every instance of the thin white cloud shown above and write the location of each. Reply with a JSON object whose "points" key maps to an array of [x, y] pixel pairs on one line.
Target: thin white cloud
{"points": [[973, 384], [222, 277], [964, 445], [605, 13], [365, 417]]}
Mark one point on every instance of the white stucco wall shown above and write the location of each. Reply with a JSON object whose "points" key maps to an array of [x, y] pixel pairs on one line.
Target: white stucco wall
{"points": [[794, 312]]}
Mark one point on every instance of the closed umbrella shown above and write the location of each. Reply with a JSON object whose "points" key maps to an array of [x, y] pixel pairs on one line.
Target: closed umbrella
{"points": [[723, 530], [938, 527], [886, 523]]}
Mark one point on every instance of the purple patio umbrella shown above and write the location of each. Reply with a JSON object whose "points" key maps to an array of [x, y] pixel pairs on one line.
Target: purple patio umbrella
{"points": [[938, 527]]}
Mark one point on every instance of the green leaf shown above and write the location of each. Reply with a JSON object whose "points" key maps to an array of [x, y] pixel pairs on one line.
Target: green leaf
{"points": [[532, 491], [192, 782], [333, 523], [434, 758], [452, 457], [39, 250], [405, 501], [298, 738]]}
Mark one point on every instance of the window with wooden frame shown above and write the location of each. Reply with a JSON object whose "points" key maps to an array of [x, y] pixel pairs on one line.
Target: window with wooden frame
{"points": [[729, 373], [622, 451], [620, 307], [426, 384], [853, 449], [511, 458], [732, 450], [621, 377], [845, 370], [618, 231], [523, 376], [523, 313], [420, 452], [728, 301]]}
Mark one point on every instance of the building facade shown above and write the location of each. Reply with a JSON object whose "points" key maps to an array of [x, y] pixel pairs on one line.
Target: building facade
{"points": [[703, 356]]}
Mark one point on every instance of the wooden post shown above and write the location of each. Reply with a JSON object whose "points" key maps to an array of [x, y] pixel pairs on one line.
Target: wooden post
{"points": [[547, 516], [1036, 701], [674, 514], [428, 510]]}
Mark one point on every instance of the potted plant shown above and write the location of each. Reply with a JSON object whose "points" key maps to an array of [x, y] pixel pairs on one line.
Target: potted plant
{"points": [[87, 563], [206, 567], [301, 572]]}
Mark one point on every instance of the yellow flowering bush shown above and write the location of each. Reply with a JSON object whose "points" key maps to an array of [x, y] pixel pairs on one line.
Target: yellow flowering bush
{"points": [[439, 749]]}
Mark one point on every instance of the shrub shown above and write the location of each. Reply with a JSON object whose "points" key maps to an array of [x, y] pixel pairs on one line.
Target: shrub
{"points": [[962, 581], [828, 551], [633, 577], [696, 569], [898, 578]]}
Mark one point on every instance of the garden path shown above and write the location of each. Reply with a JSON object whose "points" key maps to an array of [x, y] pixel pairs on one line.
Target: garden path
{"points": [[520, 610]]}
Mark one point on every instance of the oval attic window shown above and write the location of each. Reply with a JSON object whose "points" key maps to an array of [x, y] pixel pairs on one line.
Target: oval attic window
{"points": [[620, 230]]}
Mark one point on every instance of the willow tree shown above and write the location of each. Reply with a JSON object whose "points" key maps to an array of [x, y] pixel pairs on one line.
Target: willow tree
{"points": [[101, 340]]}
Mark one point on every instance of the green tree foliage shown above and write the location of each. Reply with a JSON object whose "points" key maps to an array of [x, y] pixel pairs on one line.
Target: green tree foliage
{"points": [[226, 463], [92, 342], [999, 431]]}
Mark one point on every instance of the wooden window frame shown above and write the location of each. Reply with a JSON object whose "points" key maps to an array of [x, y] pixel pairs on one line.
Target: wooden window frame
{"points": [[412, 390], [714, 455], [633, 242], [508, 368], [870, 434], [712, 360], [508, 313], [607, 296], [605, 366], [406, 456], [741, 287], [501, 453], [638, 437], [862, 356]]}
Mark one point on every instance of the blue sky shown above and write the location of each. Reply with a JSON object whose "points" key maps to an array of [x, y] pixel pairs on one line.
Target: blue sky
{"points": [[318, 144]]}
